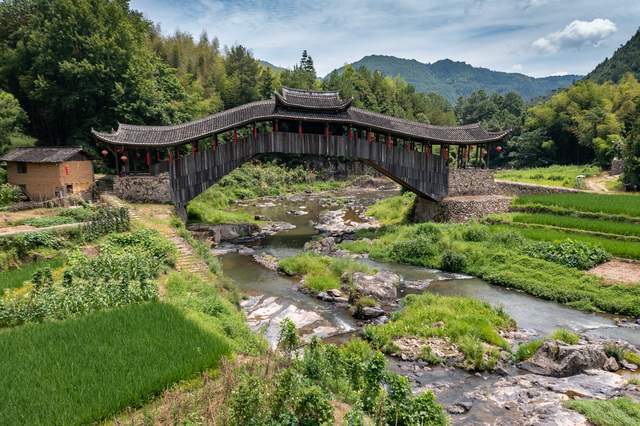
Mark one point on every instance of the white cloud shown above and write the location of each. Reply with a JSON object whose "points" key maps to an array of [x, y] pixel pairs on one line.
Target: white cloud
{"points": [[558, 73], [576, 34], [526, 4], [516, 67]]}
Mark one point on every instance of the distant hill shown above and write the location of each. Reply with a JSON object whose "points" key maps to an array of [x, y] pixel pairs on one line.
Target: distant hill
{"points": [[269, 65], [625, 59], [453, 79]]}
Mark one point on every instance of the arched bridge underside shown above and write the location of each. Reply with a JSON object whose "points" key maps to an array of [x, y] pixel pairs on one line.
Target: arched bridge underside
{"points": [[424, 175], [302, 123]]}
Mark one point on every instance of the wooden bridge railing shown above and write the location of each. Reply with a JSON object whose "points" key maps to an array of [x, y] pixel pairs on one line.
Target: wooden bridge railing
{"points": [[426, 175]]}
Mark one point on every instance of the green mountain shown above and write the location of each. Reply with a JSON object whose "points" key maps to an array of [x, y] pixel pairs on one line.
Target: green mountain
{"points": [[273, 68], [453, 79], [625, 59]]}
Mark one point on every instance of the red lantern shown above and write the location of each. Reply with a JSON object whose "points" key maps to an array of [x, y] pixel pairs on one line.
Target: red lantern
{"points": [[104, 152], [498, 149], [124, 158]]}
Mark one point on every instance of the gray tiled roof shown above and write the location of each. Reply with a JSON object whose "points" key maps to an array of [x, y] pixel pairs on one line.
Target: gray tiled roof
{"points": [[43, 155], [298, 105]]}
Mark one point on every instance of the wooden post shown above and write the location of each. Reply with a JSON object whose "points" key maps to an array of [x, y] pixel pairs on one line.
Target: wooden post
{"points": [[214, 143], [350, 134], [194, 148], [235, 136], [255, 132]]}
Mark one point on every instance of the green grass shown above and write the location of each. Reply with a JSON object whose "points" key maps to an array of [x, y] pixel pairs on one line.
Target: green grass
{"points": [[566, 336], [466, 322], [16, 277], [593, 225], [85, 369], [320, 273], [393, 210], [550, 176], [614, 412], [212, 309], [618, 204], [618, 248], [526, 350]]}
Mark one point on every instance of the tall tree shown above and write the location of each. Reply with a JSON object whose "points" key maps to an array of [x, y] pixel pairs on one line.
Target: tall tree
{"points": [[12, 118], [77, 64], [242, 74]]}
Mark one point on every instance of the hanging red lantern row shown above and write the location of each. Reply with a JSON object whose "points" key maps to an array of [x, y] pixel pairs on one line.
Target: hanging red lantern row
{"points": [[124, 158], [104, 152], [498, 149]]}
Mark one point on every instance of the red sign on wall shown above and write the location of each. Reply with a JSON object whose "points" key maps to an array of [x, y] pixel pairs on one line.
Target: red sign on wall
{"points": [[66, 171]]}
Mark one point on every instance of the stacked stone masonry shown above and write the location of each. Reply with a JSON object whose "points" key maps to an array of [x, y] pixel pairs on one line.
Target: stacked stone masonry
{"points": [[143, 189]]}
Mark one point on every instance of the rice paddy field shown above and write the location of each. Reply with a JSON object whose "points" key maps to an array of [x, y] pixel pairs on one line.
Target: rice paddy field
{"points": [[579, 223], [618, 204], [48, 371], [564, 176]]}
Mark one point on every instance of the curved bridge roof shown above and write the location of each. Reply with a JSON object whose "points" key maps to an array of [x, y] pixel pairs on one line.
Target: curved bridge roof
{"points": [[295, 104]]}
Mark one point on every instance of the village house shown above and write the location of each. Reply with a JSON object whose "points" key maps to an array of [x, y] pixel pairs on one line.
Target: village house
{"points": [[48, 173]]}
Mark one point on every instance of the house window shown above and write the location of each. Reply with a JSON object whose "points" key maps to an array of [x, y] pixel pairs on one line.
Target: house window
{"points": [[22, 168], [69, 189]]}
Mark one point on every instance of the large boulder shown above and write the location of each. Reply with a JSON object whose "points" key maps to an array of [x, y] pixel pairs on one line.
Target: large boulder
{"points": [[557, 359], [382, 286], [323, 246]]}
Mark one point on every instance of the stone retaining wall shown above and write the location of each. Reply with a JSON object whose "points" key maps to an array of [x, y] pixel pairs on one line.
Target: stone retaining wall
{"points": [[143, 189], [460, 209], [471, 182], [519, 188]]}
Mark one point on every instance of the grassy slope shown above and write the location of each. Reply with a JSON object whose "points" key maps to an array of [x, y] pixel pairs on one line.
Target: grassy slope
{"points": [[80, 370], [550, 176]]}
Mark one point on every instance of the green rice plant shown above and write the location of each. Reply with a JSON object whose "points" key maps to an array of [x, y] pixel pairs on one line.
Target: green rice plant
{"points": [[120, 357], [526, 350], [618, 204], [618, 248], [563, 211], [16, 277], [594, 225], [621, 411], [566, 336], [551, 176]]}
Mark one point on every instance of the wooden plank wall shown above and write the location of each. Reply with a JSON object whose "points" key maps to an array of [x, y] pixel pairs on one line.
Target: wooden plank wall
{"points": [[192, 174]]}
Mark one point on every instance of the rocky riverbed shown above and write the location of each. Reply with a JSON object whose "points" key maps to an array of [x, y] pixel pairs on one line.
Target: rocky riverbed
{"points": [[527, 393]]}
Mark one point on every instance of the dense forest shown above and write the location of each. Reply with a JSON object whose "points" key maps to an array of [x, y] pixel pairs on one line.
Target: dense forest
{"points": [[69, 66]]}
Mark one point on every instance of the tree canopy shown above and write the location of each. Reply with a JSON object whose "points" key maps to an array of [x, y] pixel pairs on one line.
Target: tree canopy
{"points": [[12, 118]]}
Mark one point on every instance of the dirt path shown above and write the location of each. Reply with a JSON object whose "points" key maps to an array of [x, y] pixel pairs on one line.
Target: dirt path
{"points": [[599, 183], [618, 272]]}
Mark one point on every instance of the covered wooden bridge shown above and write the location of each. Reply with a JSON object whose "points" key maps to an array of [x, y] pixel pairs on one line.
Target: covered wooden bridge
{"points": [[199, 153]]}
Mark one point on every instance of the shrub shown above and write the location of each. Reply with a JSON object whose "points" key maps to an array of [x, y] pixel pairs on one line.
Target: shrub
{"points": [[419, 251], [565, 336], [475, 232], [453, 262], [507, 238], [401, 408], [574, 254], [620, 411], [288, 340], [9, 194]]}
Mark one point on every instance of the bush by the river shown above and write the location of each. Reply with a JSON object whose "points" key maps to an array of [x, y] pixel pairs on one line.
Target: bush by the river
{"points": [[574, 254]]}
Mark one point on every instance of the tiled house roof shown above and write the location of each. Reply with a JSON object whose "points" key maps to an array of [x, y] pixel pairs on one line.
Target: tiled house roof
{"points": [[45, 155]]}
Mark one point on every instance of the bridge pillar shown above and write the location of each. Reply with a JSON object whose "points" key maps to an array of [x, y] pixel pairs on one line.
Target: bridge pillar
{"points": [[181, 212]]}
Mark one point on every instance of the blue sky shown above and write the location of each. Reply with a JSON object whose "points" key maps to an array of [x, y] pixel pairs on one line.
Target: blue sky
{"points": [[534, 37]]}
